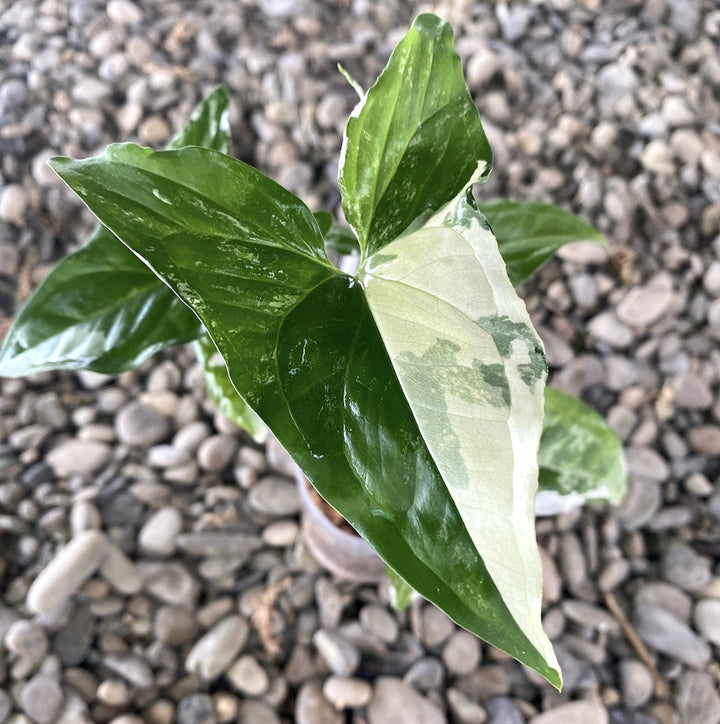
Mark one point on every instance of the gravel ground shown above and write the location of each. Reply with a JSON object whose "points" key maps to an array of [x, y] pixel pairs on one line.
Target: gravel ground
{"points": [[188, 594]]}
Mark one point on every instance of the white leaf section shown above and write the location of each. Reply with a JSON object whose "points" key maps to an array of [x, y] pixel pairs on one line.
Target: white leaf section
{"points": [[473, 371]]}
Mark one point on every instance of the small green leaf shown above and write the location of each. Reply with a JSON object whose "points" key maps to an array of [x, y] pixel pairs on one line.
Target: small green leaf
{"points": [[413, 141], [101, 308], [528, 234], [401, 592], [221, 390], [580, 456]]}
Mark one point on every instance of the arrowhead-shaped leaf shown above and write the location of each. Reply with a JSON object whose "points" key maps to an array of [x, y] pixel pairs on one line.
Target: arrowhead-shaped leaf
{"points": [[315, 355], [101, 308], [413, 140], [580, 456], [528, 234]]}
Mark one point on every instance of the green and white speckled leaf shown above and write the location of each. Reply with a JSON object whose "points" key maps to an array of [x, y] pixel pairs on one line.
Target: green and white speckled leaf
{"points": [[473, 371]]}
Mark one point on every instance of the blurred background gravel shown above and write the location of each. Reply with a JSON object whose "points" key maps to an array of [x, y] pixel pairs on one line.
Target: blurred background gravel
{"points": [[611, 109]]}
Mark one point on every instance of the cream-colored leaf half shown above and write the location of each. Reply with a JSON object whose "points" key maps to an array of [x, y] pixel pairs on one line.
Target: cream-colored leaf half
{"points": [[473, 371]]}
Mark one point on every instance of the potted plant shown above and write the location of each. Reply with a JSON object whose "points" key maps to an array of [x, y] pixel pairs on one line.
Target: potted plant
{"points": [[409, 392]]}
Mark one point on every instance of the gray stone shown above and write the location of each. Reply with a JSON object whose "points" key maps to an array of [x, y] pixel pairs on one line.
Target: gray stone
{"points": [[436, 626], [218, 543], [72, 642], [139, 424], [213, 653], [691, 392], [13, 204], [705, 439], [78, 457], [501, 710], [216, 452], [341, 657], [396, 703], [685, 568], [590, 616], [636, 683], [425, 674], [124, 12], [175, 625], [464, 709], [707, 619], [646, 463], [190, 435], [71, 566], [345, 692], [196, 709], [274, 496], [257, 712], [667, 596], [160, 531], [657, 158], [711, 279], [311, 707], [131, 668], [462, 653], [646, 304], [6, 705], [120, 572], [669, 635], [170, 582], [167, 456], [41, 698], [608, 329], [379, 621], [697, 698], [576, 712], [248, 677], [29, 642]]}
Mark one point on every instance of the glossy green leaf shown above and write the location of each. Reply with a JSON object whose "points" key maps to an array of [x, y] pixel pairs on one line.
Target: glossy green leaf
{"points": [[337, 238], [101, 308], [304, 350], [528, 234], [580, 457], [221, 390], [413, 141]]}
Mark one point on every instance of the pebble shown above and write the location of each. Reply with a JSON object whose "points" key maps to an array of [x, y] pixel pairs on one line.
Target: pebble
{"points": [[707, 619], [72, 643], [256, 712], [170, 582], [436, 626], [274, 496], [13, 204], [501, 710], [697, 698], [29, 642], [667, 634], [213, 653], [248, 677], [71, 566], [139, 424], [217, 451], [608, 329], [123, 12], [196, 709], [160, 531], [396, 703], [461, 653], [666, 595], [379, 621], [345, 692], [705, 439], [175, 625], [120, 572], [691, 392], [657, 158], [636, 683], [78, 457], [576, 712], [646, 304], [312, 708], [341, 657], [685, 568], [464, 709], [41, 698], [133, 669], [425, 674]]}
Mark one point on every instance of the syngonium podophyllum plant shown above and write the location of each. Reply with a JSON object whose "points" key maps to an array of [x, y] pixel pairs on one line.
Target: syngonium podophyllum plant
{"points": [[411, 392]]}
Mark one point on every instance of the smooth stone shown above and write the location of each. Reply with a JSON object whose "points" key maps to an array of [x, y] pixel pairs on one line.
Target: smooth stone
{"points": [[72, 642], [213, 653], [464, 709], [274, 496], [707, 619], [120, 572], [590, 616], [576, 712], [379, 621], [501, 710], [131, 668], [170, 582], [196, 709], [425, 674], [29, 642], [462, 653], [685, 568], [667, 596], [175, 625], [607, 328], [41, 698], [341, 657], [167, 456], [583, 253], [436, 626], [644, 305], [256, 712], [345, 692], [667, 634], [396, 703], [691, 392], [71, 566], [646, 463], [281, 533], [312, 708], [248, 676], [217, 452], [636, 683], [697, 698], [642, 500], [705, 439], [657, 158], [78, 457], [218, 543], [159, 533], [190, 435], [13, 204], [278, 458], [139, 424]]}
